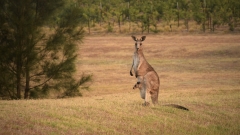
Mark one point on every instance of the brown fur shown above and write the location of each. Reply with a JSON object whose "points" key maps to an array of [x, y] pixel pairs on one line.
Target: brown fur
{"points": [[147, 76]]}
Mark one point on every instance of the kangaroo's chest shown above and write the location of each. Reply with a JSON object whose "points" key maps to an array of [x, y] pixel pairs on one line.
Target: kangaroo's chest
{"points": [[140, 65], [136, 61]]}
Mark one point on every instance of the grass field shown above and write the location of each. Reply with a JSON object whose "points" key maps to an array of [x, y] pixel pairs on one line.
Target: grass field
{"points": [[200, 72]]}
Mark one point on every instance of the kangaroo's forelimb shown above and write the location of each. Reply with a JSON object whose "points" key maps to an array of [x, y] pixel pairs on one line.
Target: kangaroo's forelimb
{"points": [[131, 72], [131, 69], [136, 73]]}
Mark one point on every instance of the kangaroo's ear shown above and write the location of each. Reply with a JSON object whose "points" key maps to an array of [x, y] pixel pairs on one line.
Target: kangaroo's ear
{"points": [[134, 38], [143, 38]]}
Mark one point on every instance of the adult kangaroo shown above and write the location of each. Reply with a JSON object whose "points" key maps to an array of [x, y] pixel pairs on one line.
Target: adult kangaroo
{"points": [[148, 81], [144, 72]]}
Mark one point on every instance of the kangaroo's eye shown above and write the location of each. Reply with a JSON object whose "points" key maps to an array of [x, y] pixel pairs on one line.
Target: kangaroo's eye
{"points": [[140, 43], [135, 43]]}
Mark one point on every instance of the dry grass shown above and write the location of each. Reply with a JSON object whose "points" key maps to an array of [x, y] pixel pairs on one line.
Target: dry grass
{"points": [[200, 72], [183, 62]]}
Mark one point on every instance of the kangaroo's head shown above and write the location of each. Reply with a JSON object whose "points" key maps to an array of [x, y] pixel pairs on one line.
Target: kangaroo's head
{"points": [[138, 42]]}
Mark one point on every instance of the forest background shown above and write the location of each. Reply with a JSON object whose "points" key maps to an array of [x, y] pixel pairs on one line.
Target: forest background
{"points": [[153, 16]]}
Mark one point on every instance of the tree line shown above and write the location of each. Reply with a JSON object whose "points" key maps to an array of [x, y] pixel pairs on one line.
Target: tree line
{"points": [[146, 14]]}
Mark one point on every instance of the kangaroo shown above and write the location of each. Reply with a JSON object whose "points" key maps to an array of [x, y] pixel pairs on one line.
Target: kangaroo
{"points": [[147, 77], [148, 81]]}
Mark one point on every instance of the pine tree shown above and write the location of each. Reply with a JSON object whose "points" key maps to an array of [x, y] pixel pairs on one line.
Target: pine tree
{"points": [[38, 48]]}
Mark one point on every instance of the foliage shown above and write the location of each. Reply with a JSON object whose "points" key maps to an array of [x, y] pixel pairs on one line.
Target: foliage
{"points": [[147, 14], [38, 48]]}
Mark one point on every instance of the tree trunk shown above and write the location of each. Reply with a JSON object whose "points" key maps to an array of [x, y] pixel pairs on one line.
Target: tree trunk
{"points": [[19, 63], [148, 24], [119, 23], [27, 87], [129, 28], [186, 24], [18, 75], [213, 27], [178, 18], [89, 26], [203, 25], [26, 94], [210, 21]]}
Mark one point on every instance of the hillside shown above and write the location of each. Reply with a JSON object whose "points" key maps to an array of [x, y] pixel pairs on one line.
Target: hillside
{"points": [[187, 62], [200, 72]]}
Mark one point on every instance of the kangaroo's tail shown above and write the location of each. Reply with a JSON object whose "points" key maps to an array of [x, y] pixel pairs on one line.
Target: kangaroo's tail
{"points": [[177, 106]]}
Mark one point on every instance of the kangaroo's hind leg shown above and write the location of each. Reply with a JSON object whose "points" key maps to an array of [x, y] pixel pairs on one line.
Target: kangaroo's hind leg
{"points": [[152, 83], [154, 97], [146, 92]]}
